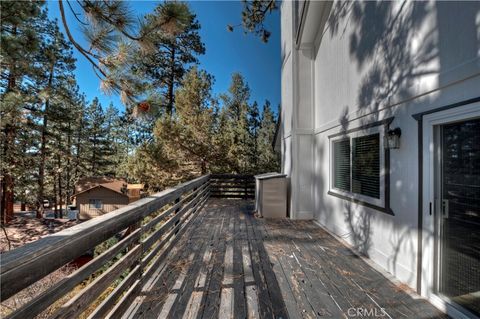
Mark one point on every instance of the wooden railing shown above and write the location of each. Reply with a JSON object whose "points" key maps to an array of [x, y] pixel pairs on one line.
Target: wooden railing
{"points": [[232, 186], [150, 226]]}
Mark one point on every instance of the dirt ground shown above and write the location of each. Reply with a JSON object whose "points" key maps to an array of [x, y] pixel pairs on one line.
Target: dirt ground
{"points": [[26, 228]]}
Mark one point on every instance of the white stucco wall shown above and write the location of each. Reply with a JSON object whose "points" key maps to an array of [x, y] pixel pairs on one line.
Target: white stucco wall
{"points": [[374, 61]]}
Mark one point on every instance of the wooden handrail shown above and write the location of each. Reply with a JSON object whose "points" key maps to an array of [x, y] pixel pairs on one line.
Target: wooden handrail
{"points": [[28, 264]]}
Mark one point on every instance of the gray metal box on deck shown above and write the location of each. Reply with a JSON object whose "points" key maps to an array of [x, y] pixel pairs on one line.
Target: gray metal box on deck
{"points": [[271, 195]]}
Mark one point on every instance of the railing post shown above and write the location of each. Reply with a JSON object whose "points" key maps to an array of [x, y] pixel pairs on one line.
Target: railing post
{"points": [[138, 242], [176, 212], [246, 186]]}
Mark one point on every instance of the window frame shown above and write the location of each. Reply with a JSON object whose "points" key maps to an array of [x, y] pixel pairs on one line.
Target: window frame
{"points": [[94, 206], [383, 203]]}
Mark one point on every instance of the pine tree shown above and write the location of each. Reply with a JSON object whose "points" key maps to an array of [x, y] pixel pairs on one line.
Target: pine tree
{"points": [[174, 53], [26, 142], [65, 108], [74, 109], [268, 159], [55, 73], [79, 141], [150, 165], [112, 129], [188, 136], [20, 43], [254, 125], [97, 148], [236, 130]]}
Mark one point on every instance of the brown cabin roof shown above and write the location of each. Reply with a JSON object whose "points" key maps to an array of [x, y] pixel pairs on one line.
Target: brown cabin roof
{"points": [[88, 183], [98, 186], [117, 185]]}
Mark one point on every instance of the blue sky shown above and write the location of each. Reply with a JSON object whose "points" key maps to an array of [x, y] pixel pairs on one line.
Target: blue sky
{"points": [[226, 52]]}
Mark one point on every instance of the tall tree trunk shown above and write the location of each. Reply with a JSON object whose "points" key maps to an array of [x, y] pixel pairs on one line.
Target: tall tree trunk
{"points": [[55, 202], [2, 199], [69, 150], [8, 182], [78, 149], [171, 81], [59, 178], [203, 166], [94, 155], [7, 198], [60, 197], [43, 149]]}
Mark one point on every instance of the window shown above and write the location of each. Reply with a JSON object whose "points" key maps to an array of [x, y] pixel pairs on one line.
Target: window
{"points": [[359, 166], [95, 203], [356, 165], [341, 162], [366, 165]]}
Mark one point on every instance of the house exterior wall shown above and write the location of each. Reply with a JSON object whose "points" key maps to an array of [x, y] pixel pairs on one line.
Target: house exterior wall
{"points": [[297, 118], [356, 63], [111, 200]]}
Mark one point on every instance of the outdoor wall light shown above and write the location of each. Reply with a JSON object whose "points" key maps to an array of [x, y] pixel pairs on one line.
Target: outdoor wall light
{"points": [[392, 138]]}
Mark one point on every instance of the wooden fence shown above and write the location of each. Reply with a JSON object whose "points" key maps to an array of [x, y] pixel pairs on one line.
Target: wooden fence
{"points": [[232, 186], [151, 226]]}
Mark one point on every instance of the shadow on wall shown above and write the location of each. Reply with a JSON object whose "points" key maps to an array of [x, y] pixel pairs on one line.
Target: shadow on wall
{"points": [[385, 45], [380, 44], [360, 231]]}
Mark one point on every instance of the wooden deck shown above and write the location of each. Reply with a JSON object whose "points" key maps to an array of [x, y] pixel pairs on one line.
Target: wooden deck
{"points": [[229, 264]]}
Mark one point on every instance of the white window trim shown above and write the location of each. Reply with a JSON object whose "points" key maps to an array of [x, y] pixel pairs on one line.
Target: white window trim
{"points": [[374, 201], [381, 204]]}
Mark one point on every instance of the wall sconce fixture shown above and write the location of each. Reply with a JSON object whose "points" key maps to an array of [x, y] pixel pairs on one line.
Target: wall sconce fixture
{"points": [[392, 138]]}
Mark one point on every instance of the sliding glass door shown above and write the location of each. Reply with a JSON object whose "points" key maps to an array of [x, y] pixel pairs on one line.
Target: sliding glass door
{"points": [[458, 217]]}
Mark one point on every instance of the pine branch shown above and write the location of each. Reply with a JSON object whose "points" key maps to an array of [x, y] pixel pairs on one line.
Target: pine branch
{"points": [[84, 52], [112, 22]]}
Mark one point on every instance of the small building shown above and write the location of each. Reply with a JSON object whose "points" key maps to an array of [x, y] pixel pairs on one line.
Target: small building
{"points": [[96, 196], [134, 191]]}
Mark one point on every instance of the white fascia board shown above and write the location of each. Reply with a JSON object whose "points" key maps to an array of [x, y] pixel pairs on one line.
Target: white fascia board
{"points": [[313, 22]]}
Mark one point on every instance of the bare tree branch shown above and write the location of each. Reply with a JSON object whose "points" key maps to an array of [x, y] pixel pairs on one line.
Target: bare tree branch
{"points": [[76, 14]]}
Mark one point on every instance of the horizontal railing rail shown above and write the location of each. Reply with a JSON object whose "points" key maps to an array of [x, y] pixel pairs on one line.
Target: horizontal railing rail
{"points": [[232, 186], [150, 226]]}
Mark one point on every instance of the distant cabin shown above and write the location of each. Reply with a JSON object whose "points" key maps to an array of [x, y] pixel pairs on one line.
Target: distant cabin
{"points": [[95, 196], [134, 191]]}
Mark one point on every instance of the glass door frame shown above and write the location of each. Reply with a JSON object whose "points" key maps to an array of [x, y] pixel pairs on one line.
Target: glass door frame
{"points": [[432, 203]]}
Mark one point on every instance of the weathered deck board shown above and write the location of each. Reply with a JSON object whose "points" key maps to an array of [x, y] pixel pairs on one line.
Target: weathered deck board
{"points": [[211, 302], [154, 295], [230, 264]]}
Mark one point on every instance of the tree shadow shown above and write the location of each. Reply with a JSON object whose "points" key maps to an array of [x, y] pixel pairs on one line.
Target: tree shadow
{"points": [[359, 226], [380, 43]]}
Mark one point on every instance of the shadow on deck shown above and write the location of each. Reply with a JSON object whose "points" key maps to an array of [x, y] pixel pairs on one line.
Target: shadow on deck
{"points": [[229, 264]]}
